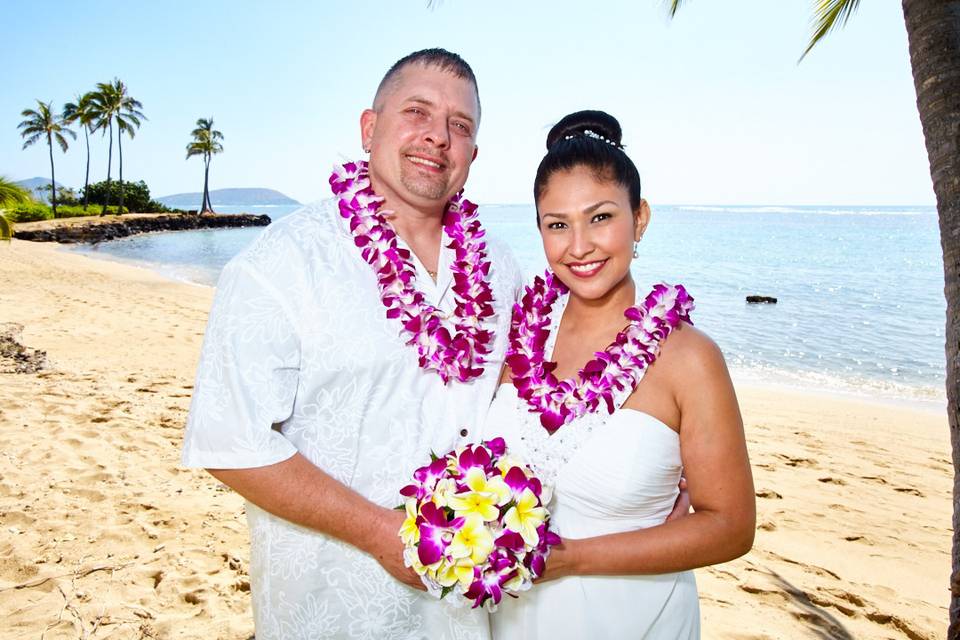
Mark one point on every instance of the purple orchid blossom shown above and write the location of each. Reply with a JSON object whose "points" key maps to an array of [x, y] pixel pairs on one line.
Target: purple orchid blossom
{"points": [[454, 355], [620, 366]]}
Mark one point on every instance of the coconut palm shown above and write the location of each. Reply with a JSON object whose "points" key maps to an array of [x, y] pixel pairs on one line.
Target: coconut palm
{"points": [[933, 34], [10, 194], [43, 123], [112, 103], [82, 111], [206, 143]]}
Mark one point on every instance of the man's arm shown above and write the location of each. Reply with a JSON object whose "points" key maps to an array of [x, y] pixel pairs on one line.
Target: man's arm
{"points": [[298, 491]]}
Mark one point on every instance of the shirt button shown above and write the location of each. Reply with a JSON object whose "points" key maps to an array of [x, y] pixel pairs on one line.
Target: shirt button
{"points": [[463, 433]]}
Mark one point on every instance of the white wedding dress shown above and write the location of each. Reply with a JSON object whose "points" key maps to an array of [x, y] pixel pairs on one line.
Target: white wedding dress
{"points": [[609, 473]]}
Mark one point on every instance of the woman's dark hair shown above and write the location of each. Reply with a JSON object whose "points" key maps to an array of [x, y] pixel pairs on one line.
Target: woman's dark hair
{"points": [[588, 139]]}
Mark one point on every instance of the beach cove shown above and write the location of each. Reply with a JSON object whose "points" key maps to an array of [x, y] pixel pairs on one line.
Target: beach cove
{"points": [[102, 529]]}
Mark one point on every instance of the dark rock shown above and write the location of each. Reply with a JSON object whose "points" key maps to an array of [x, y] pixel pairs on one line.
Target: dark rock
{"points": [[16, 358], [93, 232], [761, 300]]}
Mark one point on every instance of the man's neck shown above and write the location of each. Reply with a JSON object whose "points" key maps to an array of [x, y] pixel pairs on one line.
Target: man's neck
{"points": [[418, 227]]}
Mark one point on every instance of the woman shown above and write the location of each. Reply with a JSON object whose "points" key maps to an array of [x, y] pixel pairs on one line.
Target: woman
{"points": [[611, 432]]}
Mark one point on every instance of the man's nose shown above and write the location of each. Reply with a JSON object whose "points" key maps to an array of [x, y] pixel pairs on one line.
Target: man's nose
{"points": [[437, 133]]}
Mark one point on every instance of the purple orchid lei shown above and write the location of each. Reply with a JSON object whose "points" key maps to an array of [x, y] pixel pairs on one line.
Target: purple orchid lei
{"points": [[476, 525], [620, 366], [457, 353]]}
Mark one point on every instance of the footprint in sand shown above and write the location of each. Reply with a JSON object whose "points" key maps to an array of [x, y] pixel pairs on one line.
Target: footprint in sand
{"points": [[909, 490], [769, 493]]}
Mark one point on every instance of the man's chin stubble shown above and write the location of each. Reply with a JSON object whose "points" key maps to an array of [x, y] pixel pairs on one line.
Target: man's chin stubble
{"points": [[430, 189]]}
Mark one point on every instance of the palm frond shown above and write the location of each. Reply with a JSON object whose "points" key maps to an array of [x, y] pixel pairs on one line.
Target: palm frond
{"points": [[61, 140], [31, 140], [827, 15], [6, 228], [11, 193], [42, 122]]}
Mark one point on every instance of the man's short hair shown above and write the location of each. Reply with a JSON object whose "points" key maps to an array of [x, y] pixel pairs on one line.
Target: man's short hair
{"points": [[438, 58]]}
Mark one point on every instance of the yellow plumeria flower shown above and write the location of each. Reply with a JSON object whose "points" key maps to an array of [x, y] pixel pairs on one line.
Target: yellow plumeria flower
{"points": [[507, 462], [482, 499], [409, 531], [522, 581], [450, 573], [412, 560], [525, 517], [473, 540], [445, 488], [477, 480]]}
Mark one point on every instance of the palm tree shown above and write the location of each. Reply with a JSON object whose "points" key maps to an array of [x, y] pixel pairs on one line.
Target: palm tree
{"points": [[206, 142], [933, 34], [112, 103], [42, 122], [82, 111], [10, 194]]}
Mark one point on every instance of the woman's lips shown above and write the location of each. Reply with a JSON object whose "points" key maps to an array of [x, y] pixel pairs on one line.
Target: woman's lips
{"points": [[586, 269]]}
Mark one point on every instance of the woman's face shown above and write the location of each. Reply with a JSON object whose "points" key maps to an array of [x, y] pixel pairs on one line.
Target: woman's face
{"points": [[588, 231]]}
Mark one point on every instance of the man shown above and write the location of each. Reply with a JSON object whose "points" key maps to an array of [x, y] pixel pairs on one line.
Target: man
{"points": [[309, 400]]}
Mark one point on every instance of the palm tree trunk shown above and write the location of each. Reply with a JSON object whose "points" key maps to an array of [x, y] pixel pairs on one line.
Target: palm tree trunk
{"points": [[106, 201], [53, 177], [206, 187], [933, 31], [86, 177], [120, 158]]}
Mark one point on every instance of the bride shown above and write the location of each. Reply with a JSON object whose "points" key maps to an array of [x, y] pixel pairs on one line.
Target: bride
{"points": [[611, 432]]}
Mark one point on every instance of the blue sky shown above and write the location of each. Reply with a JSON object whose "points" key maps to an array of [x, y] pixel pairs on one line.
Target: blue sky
{"points": [[714, 107]]}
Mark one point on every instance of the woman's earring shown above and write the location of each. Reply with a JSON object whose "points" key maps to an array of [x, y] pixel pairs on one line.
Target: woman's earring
{"points": [[636, 254]]}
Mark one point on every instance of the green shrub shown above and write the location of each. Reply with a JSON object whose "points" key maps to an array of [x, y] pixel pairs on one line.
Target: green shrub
{"points": [[74, 211], [136, 195], [35, 211], [30, 212]]}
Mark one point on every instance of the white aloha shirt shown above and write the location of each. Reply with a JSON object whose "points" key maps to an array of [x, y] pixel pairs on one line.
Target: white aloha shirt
{"points": [[299, 356]]}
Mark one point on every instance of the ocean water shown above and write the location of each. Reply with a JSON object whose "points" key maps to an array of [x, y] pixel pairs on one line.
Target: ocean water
{"points": [[860, 289]]}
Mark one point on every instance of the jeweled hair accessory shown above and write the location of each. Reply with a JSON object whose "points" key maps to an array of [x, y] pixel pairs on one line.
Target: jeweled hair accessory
{"points": [[587, 133]]}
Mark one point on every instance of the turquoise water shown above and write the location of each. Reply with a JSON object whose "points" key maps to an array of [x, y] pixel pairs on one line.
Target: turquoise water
{"points": [[860, 289]]}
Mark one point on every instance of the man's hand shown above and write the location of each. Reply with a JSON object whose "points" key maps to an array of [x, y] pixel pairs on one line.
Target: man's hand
{"points": [[387, 549], [682, 506]]}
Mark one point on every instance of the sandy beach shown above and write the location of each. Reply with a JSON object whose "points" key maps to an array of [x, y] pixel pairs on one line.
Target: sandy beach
{"points": [[102, 534]]}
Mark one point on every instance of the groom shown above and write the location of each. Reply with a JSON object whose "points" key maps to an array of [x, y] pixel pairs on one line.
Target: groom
{"points": [[311, 403]]}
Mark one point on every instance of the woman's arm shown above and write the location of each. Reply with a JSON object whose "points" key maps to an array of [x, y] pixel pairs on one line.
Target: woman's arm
{"points": [[717, 469]]}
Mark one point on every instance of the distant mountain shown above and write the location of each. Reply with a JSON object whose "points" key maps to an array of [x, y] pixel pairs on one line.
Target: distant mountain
{"points": [[228, 197], [35, 185]]}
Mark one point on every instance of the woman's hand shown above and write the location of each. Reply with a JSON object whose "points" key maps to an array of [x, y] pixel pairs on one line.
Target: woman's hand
{"points": [[561, 562]]}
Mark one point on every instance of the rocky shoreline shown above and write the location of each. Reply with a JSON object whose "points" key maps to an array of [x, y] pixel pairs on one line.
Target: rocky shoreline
{"points": [[95, 229]]}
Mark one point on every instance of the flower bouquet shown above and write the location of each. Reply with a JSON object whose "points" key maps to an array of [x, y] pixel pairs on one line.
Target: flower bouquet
{"points": [[476, 526]]}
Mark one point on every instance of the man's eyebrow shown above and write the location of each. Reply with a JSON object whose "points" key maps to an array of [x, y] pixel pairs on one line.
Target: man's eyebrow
{"points": [[429, 103]]}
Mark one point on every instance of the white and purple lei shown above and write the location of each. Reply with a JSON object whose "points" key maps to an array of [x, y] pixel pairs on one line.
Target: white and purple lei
{"points": [[458, 354], [618, 367]]}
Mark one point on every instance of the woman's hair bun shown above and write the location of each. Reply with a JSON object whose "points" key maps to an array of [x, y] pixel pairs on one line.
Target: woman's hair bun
{"points": [[600, 123]]}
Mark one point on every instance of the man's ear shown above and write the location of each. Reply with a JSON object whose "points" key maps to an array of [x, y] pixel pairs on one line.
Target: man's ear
{"points": [[476, 150], [368, 122]]}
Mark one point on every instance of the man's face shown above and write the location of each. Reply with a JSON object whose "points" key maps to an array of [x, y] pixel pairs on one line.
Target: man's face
{"points": [[422, 139]]}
